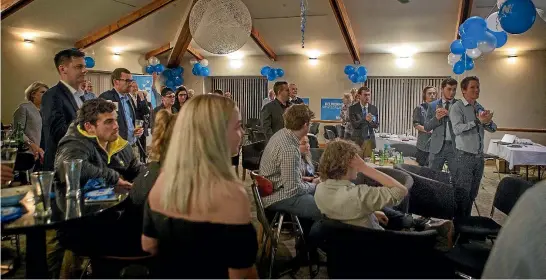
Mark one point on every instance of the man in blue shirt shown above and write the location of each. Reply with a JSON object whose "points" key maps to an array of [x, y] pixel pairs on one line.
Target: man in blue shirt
{"points": [[121, 81]]}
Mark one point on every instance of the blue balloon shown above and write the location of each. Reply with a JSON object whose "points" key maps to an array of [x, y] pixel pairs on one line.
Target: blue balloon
{"points": [[89, 62], [280, 73], [469, 65], [150, 69], [457, 47], [349, 69], [178, 71], [474, 27], [265, 70], [170, 84], [205, 72], [159, 68], [195, 71], [168, 73], [362, 71], [461, 30], [502, 38], [362, 79], [272, 74], [181, 80], [517, 16], [459, 67], [177, 81], [354, 78], [469, 43]]}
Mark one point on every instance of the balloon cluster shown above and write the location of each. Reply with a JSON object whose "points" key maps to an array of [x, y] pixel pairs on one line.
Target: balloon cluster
{"points": [[154, 66], [173, 77], [272, 73], [200, 68], [356, 75], [480, 36], [89, 62]]}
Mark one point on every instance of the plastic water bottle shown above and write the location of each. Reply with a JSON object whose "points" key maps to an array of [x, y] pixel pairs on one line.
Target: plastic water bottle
{"points": [[401, 158]]}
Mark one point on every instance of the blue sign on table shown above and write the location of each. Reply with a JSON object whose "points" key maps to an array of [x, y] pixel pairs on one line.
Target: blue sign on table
{"points": [[330, 108], [145, 82], [305, 100]]}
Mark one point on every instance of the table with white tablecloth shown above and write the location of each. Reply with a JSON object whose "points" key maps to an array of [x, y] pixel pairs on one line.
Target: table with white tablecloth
{"points": [[526, 155], [392, 139]]}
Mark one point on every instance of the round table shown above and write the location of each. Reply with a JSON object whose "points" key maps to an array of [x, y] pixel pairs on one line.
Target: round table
{"points": [[64, 210]]}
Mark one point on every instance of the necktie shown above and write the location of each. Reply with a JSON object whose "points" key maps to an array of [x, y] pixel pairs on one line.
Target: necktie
{"points": [[447, 119]]}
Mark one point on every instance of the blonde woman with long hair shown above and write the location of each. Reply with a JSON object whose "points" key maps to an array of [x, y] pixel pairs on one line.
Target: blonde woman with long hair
{"points": [[197, 217]]}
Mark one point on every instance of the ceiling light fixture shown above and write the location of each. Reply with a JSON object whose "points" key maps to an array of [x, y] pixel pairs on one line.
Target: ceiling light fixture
{"points": [[235, 55], [117, 53], [313, 61], [512, 58], [30, 41], [236, 63], [404, 62], [313, 54], [404, 51]]}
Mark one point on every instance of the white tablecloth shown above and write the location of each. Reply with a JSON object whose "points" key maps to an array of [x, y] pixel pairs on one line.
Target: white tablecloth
{"points": [[380, 141], [526, 155]]}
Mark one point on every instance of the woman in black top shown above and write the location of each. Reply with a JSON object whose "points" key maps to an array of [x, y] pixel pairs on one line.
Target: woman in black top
{"points": [[197, 217], [181, 97]]}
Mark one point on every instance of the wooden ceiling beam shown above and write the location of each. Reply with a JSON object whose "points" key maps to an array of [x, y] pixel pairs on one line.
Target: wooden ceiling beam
{"points": [[183, 40], [340, 13], [122, 23], [9, 7], [263, 44], [195, 53], [161, 50], [465, 10]]}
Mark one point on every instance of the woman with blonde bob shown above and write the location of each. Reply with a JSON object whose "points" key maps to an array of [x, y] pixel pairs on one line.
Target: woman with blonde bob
{"points": [[340, 199], [197, 217]]}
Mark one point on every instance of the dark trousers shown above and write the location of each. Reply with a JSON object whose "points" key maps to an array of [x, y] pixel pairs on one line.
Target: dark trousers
{"points": [[397, 219], [421, 157], [466, 178], [447, 153], [142, 149]]}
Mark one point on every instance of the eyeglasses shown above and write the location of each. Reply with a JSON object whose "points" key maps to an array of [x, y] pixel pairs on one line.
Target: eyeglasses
{"points": [[169, 96], [126, 80], [183, 94]]}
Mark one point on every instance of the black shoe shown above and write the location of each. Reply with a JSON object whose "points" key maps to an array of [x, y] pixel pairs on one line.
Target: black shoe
{"points": [[420, 223]]}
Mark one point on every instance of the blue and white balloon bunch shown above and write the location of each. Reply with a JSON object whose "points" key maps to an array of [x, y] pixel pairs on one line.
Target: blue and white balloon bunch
{"points": [[173, 77], [480, 36], [89, 62], [154, 66], [356, 75], [200, 68], [272, 73]]}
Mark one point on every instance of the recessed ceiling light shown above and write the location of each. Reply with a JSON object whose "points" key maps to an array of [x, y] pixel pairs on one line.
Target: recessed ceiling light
{"points": [[28, 40], [313, 61], [236, 63], [235, 55], [117, 53], [313, 54], [404, 51]]}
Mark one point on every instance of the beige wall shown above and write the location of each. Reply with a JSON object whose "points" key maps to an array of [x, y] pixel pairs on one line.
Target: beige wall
{"points": [[515, 92], [24, 63]]}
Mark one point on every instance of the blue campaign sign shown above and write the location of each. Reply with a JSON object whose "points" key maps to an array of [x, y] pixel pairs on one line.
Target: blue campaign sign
{"points": [[145, 82], [305, 100], [330, 108]]}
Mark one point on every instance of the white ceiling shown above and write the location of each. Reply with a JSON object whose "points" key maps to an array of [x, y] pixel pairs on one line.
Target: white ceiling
{"points": [[379, 25]]}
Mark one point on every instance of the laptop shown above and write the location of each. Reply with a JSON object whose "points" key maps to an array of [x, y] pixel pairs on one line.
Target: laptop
{"points": [[507, 139]]}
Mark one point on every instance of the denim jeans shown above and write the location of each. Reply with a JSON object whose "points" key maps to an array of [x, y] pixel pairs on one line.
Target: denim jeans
{"points": [[397, 220]]}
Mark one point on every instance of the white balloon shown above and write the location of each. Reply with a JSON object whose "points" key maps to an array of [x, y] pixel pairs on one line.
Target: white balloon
{"points": [[153, 60], [485, 48], [541, 13], [204, 62], [453, 58], [193, 61], [493, 22], [473, 53], [500, 2]]}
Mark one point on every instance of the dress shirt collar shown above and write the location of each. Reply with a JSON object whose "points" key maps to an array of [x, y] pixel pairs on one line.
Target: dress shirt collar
{"points": [[70, 88], [445, 101], [123, 97]]}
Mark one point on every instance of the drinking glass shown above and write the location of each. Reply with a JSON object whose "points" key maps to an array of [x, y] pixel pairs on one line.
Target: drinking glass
{"points": [[139, 124], [41, 186], [73, 208], [72, 172], [8, 158]]}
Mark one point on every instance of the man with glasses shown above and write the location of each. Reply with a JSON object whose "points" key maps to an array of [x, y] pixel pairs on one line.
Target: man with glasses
{"points": [[167, 101], [119, 95]]}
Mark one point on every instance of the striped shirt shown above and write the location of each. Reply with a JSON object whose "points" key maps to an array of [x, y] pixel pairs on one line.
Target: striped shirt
{"points": [[280, 163]]}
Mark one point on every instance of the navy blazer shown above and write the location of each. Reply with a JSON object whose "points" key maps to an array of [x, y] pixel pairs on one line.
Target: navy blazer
{"points": [[363, 129], [59, 109], [113, 96]]}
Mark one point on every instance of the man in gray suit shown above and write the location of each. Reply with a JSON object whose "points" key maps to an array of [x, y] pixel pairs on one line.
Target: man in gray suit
{"points": [[442, 147], [364, 118], [272, 112]]}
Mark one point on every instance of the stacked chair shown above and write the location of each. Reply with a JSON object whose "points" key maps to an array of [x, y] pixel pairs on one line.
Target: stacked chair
{"points": [[252, 153], [314, 128]]}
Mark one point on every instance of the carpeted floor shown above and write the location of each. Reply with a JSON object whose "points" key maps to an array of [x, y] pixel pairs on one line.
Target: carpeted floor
{"points": [[286, 249]]}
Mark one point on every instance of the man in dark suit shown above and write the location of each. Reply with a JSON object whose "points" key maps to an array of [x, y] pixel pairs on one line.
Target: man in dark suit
{"points": [[441, 145], [294, 99], [119, 95], [272, 112], [142, 113], [364, 118], [61, 102]]}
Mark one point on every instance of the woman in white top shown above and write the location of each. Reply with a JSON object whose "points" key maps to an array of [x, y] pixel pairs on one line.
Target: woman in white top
{"points": [[340, 199]]}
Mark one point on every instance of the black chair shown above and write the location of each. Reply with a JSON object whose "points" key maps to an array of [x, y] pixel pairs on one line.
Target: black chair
{"points": [[251, 155], [316, 154], [358, 252], [468, 260], [508, 192], [271, 233], [406, 149], [400, 176], [259, 135], [340, 131], [252, 123], [329, 135], [331, 128], [313, 141], [314, 128], [432, 194]]}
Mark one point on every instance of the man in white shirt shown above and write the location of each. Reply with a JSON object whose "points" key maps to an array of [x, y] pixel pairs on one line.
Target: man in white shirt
{"points": [[270, 97], [61, 102]]}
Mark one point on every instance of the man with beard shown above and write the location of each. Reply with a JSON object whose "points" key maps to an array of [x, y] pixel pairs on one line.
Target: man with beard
{"points": [[61, 102]]}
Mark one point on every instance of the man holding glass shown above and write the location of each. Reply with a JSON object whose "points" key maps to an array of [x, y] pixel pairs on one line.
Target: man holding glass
{"points": [[125, 107]]}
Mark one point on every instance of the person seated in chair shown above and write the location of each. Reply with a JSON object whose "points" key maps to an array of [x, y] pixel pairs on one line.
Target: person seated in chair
{"points": [[94, 138], [307, 165]]}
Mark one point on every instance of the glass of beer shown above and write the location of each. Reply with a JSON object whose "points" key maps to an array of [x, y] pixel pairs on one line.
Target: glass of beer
{"points": [[8, 158], [139, 124]]}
